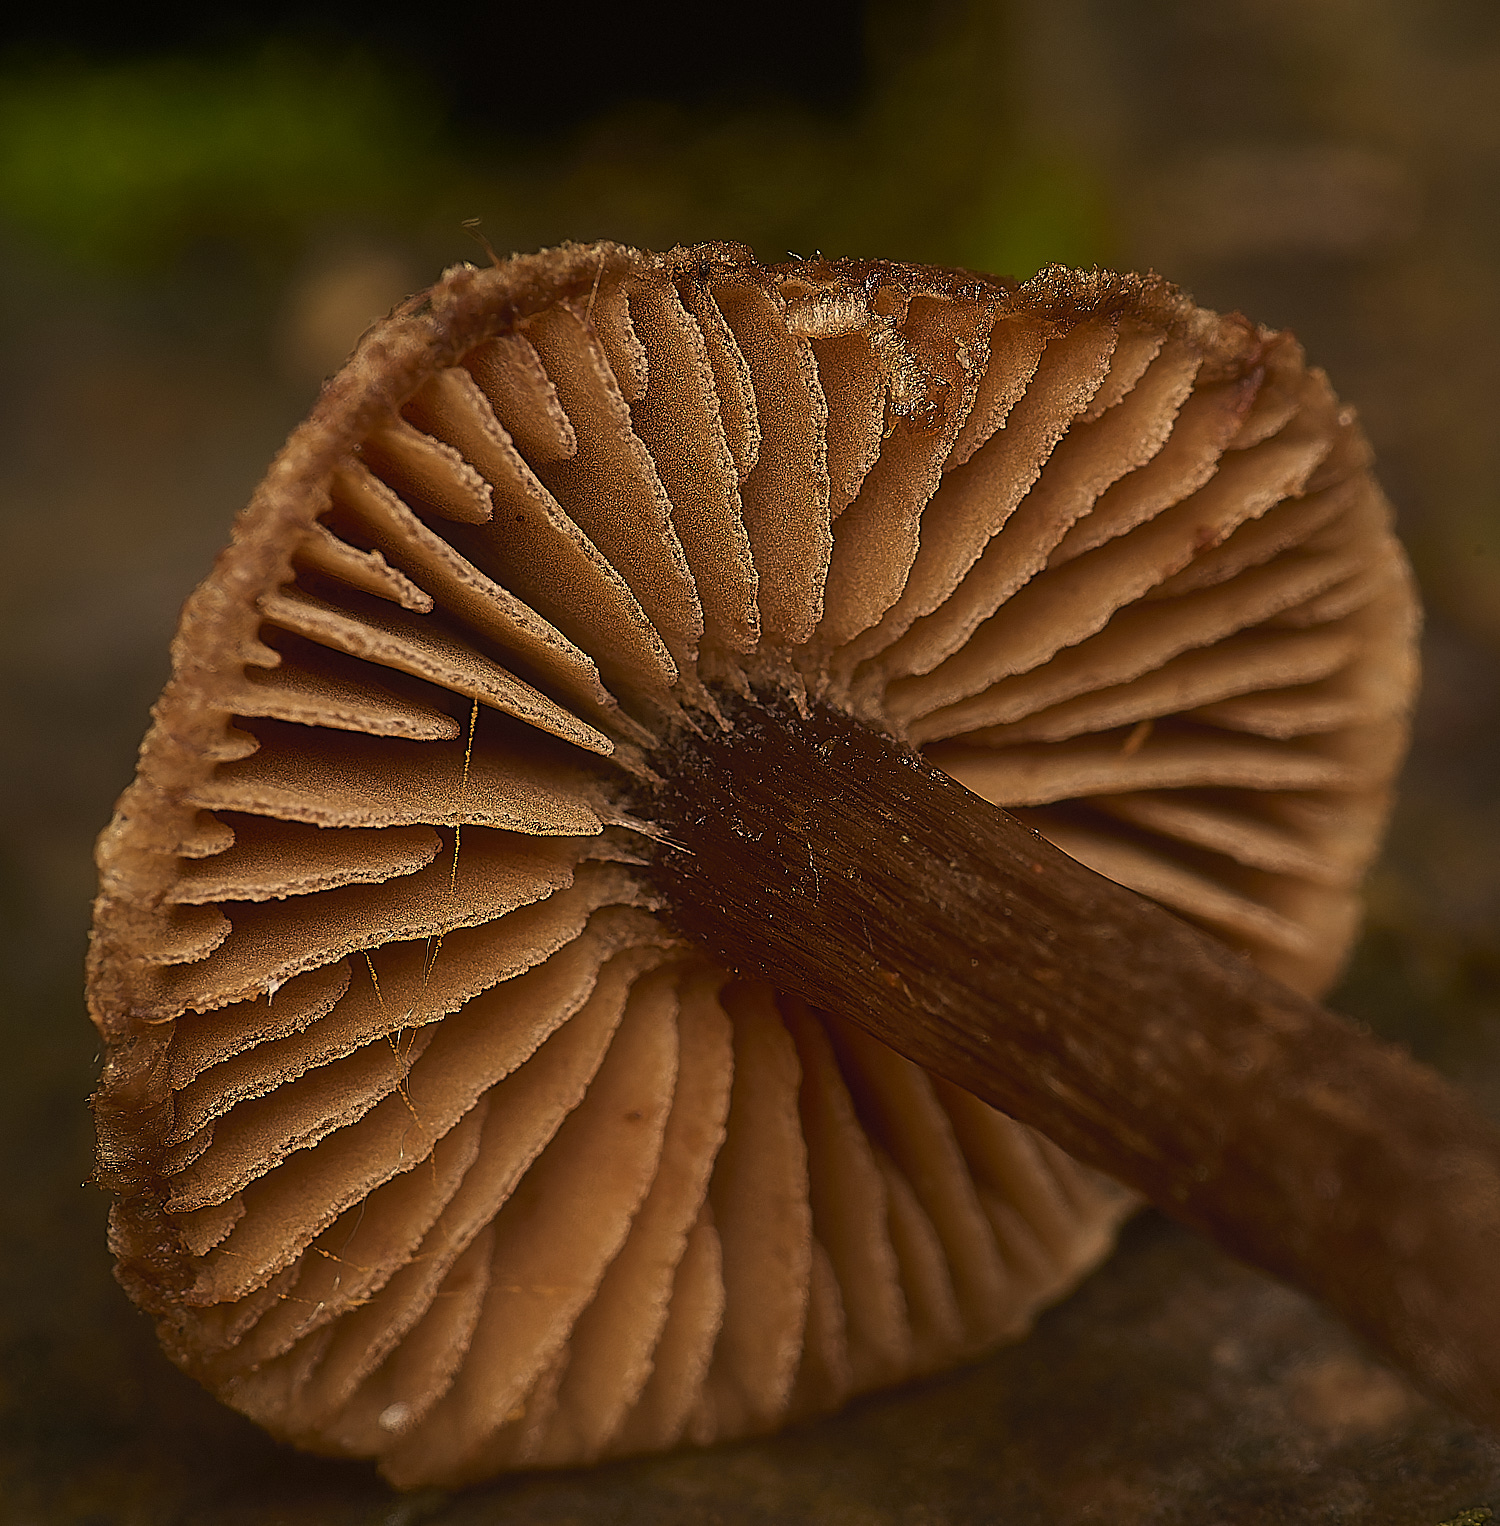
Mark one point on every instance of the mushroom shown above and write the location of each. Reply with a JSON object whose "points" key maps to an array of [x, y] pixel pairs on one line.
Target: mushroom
{"points": [[531, 836]]}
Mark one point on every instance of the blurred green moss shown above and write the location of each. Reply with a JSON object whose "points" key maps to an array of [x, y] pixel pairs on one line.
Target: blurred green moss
{"points": [[119, 165], [124, 166]]}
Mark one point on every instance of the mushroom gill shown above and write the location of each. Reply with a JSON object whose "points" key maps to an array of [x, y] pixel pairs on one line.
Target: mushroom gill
{"points": [[435, 1140]]}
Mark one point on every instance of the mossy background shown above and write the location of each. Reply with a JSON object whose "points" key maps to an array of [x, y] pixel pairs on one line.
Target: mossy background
{"points": [[200, 213]]}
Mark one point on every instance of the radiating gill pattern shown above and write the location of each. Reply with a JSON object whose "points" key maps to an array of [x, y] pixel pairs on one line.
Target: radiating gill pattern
{"points": [[434, 1143]]}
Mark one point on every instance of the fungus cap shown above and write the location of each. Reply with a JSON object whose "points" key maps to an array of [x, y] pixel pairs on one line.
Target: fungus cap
{"points": [[434, 1141]]}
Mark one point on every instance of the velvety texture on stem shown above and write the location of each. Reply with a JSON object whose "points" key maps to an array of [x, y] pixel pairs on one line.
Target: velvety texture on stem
{"points": [[811, 852]]}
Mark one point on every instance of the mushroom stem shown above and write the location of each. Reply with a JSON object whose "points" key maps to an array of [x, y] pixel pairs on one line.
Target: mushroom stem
{"points": [[812, 852]]}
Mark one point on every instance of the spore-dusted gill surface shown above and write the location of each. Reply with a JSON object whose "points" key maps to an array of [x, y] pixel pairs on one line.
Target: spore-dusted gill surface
{"points": [[436, 1139]]}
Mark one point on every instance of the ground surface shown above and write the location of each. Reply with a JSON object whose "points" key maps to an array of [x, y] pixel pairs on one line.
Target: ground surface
{"points": [[1176, 1387]]}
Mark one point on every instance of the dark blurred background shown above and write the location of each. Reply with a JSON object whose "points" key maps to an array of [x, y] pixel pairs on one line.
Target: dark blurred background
{"points": [[202, 208]]}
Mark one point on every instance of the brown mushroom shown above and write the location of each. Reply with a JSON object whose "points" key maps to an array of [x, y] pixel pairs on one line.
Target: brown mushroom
{"points": [[435, 1138]]}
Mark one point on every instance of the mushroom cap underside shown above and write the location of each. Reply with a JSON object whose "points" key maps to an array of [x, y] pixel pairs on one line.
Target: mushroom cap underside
{"points": [[434, 1141]]}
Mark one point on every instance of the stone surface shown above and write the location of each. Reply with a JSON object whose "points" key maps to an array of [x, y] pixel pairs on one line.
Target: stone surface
{"points": [[1175, 1386]]}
